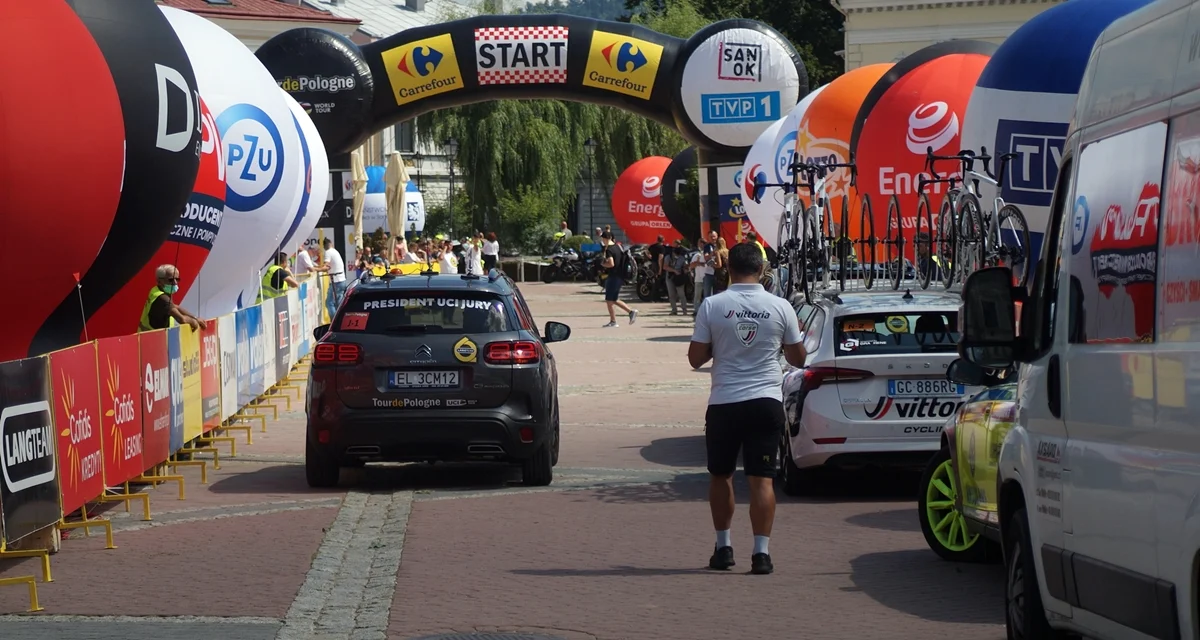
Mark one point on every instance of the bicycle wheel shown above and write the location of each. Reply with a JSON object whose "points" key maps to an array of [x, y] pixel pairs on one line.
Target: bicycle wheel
{"points": [[866, 228], [1013, 247], [923, 241], [894, 243], [813, 261], [843, 248], [971, 248], [784, 231], [947, 238]]}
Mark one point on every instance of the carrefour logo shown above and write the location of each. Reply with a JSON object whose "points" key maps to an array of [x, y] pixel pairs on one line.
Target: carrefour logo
{"points": [[627, 59], [1032, 173], [253, 154], [622, 64], [423, 68]]}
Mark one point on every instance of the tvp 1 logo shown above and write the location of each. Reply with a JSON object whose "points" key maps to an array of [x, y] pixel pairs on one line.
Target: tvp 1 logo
{"points": [[423, 68], [1031, 173], [253, 156]]}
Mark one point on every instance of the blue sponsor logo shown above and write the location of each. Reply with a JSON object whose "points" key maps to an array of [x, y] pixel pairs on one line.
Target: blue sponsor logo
{"points": [[737, 179], [785, 155], [1039, 148], [1079, 224], [254, 153], [739, 108]]}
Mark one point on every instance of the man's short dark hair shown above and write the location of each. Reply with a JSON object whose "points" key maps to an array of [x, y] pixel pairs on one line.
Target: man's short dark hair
{"points": [[281, 258], [606, 235], [660, 238], [751, 236], [745, 260], [328, 242]]}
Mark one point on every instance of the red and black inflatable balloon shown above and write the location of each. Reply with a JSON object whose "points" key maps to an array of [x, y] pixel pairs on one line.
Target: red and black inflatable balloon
{"points": [[61, 162], [161, 116], [679, 203]]}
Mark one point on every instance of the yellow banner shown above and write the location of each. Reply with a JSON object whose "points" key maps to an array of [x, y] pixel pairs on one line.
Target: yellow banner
{"points": [[623, 64], [423, 68], [193, 409]]}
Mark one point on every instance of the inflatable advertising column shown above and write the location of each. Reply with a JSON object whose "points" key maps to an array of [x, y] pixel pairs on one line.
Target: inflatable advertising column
{"points": [[637, 202]]}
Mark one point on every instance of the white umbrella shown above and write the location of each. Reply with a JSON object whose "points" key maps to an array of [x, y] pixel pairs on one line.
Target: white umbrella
{"points": [[358, 178], [396, 178]]}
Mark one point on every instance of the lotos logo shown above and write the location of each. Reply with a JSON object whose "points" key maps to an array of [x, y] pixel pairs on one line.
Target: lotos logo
{"points": [[931, 125], [652, 187], [253, 155], [423, 68], [622, 64], [824, 151]]}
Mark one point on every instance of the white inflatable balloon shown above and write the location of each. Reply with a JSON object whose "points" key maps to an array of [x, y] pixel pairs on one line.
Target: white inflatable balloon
{"points": [[778, 155], [318, 179], [757, 169], [262, 151]]}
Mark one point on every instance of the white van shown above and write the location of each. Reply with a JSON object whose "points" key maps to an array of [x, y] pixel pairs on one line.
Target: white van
{"points": [[1099, 481]]}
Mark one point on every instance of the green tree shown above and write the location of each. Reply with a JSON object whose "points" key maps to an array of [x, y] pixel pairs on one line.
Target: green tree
{"points": [[598, 9]]}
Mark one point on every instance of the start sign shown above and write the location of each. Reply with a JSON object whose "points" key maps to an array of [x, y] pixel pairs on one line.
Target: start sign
{"points": [[521, 55]]}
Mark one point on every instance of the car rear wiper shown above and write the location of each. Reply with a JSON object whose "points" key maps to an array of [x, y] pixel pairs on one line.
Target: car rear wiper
{"points": [[412, 328]]}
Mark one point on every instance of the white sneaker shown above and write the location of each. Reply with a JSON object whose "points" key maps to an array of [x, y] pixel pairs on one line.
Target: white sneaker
{"points": [[610, 325], [633, 316]]}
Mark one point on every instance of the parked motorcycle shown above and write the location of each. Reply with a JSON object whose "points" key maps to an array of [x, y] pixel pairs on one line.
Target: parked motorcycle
{"points": [[565, 264]]}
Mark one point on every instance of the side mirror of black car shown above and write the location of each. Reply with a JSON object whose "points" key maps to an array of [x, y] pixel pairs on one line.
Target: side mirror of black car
{"points": [[988, 319], [556, 332], [319, 332], [964, 371]]}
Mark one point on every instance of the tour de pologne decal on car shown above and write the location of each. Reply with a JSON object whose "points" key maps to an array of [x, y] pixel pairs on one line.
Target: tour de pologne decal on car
{"points": [[1124, 254], [423, 68], [521, 55], [466, 351], [318, 84], [354, 321], [420, 403]]}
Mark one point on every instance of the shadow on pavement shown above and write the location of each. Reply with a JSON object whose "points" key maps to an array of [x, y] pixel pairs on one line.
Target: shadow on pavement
{"points": [[687, 338], [626, 572], [389, 477], [853, 486], [919, 583], [894, 520], [284, 478], [686, 487], [681, 451]]}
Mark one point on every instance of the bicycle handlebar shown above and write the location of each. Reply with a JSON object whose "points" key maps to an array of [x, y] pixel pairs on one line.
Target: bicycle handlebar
{"points": [[810, 169]]}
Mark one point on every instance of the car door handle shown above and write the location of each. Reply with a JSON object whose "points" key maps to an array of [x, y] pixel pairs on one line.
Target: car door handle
{"points": [[1054, 386]]}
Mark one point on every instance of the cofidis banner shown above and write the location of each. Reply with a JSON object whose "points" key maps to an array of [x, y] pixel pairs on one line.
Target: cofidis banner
{"points": [[76, 400], [120, 398]]}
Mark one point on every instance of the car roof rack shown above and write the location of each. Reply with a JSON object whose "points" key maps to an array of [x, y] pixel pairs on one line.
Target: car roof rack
{"points": [[831, 296]]}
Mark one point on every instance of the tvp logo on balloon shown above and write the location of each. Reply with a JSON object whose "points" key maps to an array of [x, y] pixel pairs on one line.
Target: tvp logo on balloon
{"points": [[423, 68], [1032, 172], [253, 155], [622, 64]]}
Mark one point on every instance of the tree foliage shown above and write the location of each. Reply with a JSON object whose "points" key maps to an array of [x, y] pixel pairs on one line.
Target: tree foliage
{"points": [[598, 9]]}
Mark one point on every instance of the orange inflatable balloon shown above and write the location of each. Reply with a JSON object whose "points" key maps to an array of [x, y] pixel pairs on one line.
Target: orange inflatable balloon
{"points": [[824, 136]]}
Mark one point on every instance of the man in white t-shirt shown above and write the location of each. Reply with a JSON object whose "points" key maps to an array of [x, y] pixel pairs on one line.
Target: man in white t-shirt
{"points": [[304, 261], [701, 263], [336, 268], [742, 330]]}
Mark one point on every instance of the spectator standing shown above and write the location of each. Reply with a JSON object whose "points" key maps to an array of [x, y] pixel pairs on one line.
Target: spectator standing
{"points": [[721, 267], [491, 251], [304, 261], [742, 331], [675, 264], [335, 267], [564, 229], [698, 263]]}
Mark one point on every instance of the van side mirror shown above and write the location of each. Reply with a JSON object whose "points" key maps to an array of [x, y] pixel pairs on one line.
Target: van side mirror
{"points": [[964, 371], [319, 332], [987, 318], [556, 332]]}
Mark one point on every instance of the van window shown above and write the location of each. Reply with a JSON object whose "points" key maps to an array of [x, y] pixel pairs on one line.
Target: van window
{"points": [[1180, 255], [1114, 236], [1045, 280], [812, 331], [429, 312], [877, 334]]}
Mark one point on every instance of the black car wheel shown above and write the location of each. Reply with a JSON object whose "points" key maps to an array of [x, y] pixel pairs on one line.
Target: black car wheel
{"points": [[1025, 619], [795, 481], [538, 469], [320, 469], [557, 441]]}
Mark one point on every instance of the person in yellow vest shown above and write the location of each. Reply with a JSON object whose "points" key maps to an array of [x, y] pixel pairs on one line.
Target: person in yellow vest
{"points": [[752, 237], [276, 279], [160, 312]]}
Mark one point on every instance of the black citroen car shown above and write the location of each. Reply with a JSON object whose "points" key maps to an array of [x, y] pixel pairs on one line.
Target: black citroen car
{"points": [[425, 368]]}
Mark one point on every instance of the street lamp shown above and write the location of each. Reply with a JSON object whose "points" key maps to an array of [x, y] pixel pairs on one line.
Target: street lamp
{"points": [[417, 158], [450, 146], [589, 146]]}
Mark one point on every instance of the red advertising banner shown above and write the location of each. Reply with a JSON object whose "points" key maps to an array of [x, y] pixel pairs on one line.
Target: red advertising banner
{"points": [[210, 376], [120, 400], [156, 397], [75, 398]]}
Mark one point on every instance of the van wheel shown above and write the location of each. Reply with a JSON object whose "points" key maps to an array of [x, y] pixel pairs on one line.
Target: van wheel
{"points": [[1024, 616], [320, 469], [795, 481], [538, 470], [557, 441], [943, 524]]}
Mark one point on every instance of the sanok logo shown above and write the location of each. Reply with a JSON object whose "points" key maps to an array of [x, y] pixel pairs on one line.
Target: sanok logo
{"points": [[628, 58], [425, 60]]}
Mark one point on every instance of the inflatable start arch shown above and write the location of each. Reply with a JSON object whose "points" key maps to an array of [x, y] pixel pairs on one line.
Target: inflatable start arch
{"points": [[720, 88]]}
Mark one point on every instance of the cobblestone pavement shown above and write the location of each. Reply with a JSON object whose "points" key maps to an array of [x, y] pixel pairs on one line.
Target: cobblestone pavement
{"points": [[613, 550]]}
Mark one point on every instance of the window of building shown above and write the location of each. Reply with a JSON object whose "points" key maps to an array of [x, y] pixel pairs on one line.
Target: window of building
{"points": [[405, 142]]}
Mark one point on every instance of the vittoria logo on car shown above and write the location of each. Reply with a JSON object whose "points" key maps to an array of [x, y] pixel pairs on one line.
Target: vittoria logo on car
{"points": [[914, 408]]}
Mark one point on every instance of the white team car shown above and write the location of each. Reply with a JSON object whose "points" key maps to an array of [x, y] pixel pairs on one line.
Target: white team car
{"points": [[873, 392]]}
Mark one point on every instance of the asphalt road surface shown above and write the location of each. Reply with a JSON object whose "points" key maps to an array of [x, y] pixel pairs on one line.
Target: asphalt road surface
{"points": [[613, 550]]}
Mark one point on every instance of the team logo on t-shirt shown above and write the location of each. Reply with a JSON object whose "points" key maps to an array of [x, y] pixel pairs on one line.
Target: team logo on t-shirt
{"points": [[746, 331]]}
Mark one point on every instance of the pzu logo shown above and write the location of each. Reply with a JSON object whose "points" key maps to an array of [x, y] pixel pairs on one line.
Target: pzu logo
{"points": [[785, 155], [254, 155], [1039, 148]]}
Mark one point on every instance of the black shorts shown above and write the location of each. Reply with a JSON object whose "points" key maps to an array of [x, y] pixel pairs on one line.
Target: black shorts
{"points": [[753, 427]]}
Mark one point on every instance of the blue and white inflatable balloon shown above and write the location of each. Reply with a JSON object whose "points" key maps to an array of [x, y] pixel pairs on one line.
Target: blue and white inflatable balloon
{"points": [[1025, 97]]}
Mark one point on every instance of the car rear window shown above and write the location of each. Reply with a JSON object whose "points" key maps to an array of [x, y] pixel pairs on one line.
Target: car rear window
{"points": [[873, 334], [429, 312]]}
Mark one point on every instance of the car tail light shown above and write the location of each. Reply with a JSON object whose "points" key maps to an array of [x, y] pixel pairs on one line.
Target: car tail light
{"points": [[1004, 412], [337, 353], [816, 376], [512, 352], [829, 441]]}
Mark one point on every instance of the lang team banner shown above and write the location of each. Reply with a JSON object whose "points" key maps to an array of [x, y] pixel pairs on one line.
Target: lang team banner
{"points": [[28, 476]]}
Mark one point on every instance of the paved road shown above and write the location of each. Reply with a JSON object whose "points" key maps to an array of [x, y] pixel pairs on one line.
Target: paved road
{"points": [[614, 550]]}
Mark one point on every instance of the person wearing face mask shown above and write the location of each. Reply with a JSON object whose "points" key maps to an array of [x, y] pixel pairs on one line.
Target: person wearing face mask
{"points": [[160, 312]]}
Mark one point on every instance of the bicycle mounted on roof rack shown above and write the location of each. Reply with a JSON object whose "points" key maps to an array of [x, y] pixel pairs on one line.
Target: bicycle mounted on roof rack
{"points": [[807, 240]]}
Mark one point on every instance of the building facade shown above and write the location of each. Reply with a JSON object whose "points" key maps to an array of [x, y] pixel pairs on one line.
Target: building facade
{"points": [[888, 30]]}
